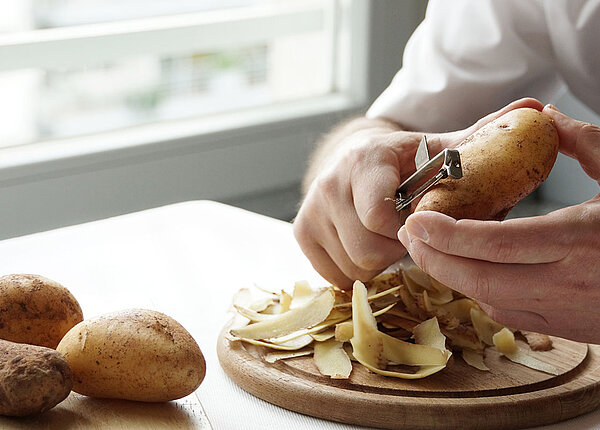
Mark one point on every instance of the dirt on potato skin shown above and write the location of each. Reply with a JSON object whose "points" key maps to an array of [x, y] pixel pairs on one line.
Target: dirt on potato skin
{"points": [[502, 163], [36, 310], [33, 379]]}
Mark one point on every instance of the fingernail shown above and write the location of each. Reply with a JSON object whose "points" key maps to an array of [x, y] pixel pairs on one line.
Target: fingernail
{"points": [[552, 107], [416, 230], [403, 237]]}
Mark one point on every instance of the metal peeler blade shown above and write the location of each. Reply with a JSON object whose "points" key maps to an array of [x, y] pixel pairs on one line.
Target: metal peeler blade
{"points": [[448, 164]]}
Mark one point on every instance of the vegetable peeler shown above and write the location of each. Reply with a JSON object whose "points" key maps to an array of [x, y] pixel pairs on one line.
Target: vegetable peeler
{"points": [[448, 163]]}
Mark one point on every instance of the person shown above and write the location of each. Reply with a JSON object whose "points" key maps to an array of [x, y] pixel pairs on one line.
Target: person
{"points": [[468, 58]]}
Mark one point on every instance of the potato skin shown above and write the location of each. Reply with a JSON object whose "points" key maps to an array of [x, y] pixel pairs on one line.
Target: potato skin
{"points": [[36, 310], [33, 378], [134, 354], [502, 163]]}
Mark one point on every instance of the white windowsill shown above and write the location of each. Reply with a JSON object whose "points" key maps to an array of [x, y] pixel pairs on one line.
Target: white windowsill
{"points": [[255, 157], [201, 133]]}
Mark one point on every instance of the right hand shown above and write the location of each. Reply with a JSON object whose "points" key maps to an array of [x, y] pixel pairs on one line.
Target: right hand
{"points": [[537, 273], [347, 225]]}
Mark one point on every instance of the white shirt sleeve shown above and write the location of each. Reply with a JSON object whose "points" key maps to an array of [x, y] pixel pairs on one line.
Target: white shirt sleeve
{"points": [[469, 58]]}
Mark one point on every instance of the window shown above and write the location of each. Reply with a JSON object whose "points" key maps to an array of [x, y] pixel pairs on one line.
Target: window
{"points": [[72, 68], [114, 106]]}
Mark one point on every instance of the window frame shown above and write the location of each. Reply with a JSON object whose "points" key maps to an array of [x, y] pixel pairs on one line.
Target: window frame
{"points": [[62, 182], [219, 29]]}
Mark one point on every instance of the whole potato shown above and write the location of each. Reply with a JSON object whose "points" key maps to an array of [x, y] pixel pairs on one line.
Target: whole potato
{"points": [[134, 354], [33, 378], [36, 310], [502, 163]]}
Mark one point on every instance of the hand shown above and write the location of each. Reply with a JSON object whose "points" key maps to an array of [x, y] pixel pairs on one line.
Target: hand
{"points": [[347, 226], [541, 273]]}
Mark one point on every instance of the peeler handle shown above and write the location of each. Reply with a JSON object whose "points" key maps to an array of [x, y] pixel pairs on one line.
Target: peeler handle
{"points": [[448, 163]]}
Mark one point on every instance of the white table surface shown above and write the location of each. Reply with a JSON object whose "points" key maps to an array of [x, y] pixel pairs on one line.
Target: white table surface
{"points": [[186, 260]]}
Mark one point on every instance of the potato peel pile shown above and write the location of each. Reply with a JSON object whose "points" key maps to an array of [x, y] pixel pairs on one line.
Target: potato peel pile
{"points": [[403, 324]]}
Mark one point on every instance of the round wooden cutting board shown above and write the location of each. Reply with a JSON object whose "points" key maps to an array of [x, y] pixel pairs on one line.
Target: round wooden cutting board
{"points": [[460, 397]]}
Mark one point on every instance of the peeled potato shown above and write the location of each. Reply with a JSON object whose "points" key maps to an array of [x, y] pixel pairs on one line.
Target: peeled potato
{"points": [[502, 163], [134, 354], [36, 310]]}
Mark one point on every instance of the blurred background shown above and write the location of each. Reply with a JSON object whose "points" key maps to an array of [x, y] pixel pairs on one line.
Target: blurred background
{"points": [[114, 106]]}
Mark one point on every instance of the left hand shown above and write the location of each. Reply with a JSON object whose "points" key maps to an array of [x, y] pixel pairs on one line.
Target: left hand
{"points": [[541, 273]]}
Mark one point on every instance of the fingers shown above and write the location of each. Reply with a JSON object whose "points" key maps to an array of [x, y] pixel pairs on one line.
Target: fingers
{"points": [[542, 239], [334, 264], [322, 263], [574, 324], [358, 253], [522, 320], [527, 102], [332, 236], [577, 325], [366, 250], [360, 216], [346, 225], [438, 141], [511, 286], [579, 140], [374, 170], [559, 298], [372, 193], [321, 245]]}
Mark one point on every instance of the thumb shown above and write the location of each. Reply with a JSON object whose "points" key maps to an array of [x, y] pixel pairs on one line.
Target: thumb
{"points": [[579, 140], [542, 239], [436, 142], [526, 102]]}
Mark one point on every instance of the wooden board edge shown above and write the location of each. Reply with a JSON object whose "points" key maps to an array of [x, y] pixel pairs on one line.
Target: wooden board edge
{"points": [[542, 407]]}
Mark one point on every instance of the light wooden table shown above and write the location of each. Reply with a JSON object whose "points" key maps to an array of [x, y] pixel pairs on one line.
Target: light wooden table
{"points": [[186, 260]]}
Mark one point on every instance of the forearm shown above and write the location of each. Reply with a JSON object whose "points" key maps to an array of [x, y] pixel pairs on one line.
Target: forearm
{"points": [[330, 142]]}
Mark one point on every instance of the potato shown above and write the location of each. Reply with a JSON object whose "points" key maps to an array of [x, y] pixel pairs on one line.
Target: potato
{"points": [[36, 310], [502, 163], [33, 379], [134, 354]]}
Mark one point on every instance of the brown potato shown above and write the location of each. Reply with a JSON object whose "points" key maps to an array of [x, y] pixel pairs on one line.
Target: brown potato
{"points": [[36, 310], [33, 378], [134, 354], [502, 163]]}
